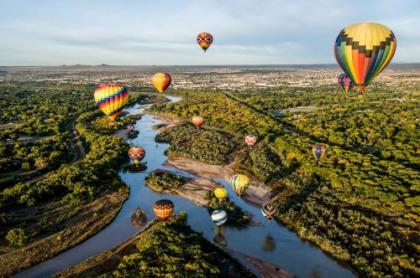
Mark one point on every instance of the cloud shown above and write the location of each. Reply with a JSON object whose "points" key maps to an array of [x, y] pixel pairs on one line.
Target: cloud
{"points": [[163, 32]]}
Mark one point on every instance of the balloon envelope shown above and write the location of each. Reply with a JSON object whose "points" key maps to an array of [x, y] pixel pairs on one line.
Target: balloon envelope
{"points": [[220, 193], [163, 209], [219, 217], [111, 99], [268, 211], [161, 81], [345, 82], [363, 50], [204, 40], [250, 140], [136, 154], [197, 121], [239, 183], [319, 151]]}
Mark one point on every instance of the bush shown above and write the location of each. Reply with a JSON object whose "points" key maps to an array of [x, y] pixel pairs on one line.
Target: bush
{"points": [[16, 238]]}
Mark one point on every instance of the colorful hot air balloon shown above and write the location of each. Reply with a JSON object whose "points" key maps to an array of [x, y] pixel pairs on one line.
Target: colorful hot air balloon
{"points": [[239, 183], [204, 40], [161, 81], [163, 209], [269, 211], [319, 151], [363, 50], [111, 98], [197, 121], [136, 154], [250, 140], [345, 82], [220, 193], [219, 217]]}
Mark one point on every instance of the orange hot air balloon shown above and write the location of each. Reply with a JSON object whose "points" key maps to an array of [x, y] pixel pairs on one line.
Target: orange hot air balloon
{"points": [[111, 99], [163, 209], [250, 140], [197, 121], [136, 154], [204, 40], [161, 81]]}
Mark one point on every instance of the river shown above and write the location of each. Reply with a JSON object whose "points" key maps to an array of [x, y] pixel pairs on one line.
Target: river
{"points": [[268, 241]]}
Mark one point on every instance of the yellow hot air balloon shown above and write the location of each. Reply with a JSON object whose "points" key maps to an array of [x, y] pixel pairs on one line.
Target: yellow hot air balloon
{"points": [[363, 50], [111, 99], [220, 193], [239, 183], [161, 81]]}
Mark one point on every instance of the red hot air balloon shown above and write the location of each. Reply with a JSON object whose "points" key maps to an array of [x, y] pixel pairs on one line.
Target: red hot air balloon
{"points": [[136, 154]]}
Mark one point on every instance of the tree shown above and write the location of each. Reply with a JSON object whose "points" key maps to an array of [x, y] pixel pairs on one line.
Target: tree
{"points": [[16, 238]]}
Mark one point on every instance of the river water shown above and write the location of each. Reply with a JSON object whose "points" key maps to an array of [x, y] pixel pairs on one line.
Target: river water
{"points": [[268, 241]]}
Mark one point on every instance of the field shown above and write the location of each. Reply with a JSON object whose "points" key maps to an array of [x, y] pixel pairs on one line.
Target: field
{"points": [[361, 204]]}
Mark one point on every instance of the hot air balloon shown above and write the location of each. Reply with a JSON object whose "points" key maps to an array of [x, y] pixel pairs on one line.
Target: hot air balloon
{"points": [[136, 154], [163, 209], [250, 140], [268, 211], [197, 121], [220, 193], [219, 217], [319, 151], [111, 98], [204, 40], [345, 82], [363, 50], [239, 183], [161, 81]]}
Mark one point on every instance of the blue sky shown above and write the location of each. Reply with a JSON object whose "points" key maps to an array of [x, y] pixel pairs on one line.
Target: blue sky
{"points": [[163, 32]]}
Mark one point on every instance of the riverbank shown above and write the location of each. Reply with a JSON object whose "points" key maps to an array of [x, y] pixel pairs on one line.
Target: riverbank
{"points": [[257, 192], [91, 218], [125, 258]]}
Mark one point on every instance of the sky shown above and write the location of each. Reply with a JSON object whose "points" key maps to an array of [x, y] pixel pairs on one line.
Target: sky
{"points": [[163, 32]]}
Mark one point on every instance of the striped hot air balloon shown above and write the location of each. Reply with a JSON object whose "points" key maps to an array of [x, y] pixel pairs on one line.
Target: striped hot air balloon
{"points": [[204, 40], [239, 183], [163, 209], [197, 121], [250, 140], [136, 154], [363, 50], [111, 99], [161, 81], [220, 193], [219, 217]]}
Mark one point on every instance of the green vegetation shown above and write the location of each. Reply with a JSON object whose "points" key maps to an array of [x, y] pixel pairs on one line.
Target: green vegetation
{"points": [[236, 215], [210, 146], [164, 181], [174, 250], [16, 238], [361, 204]]}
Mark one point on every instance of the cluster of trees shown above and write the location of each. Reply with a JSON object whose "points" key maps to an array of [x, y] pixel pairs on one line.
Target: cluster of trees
{"points": [[206, 145], [36, 126], [80, 182], [172, 249], [358, 204], [164, 181]]}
